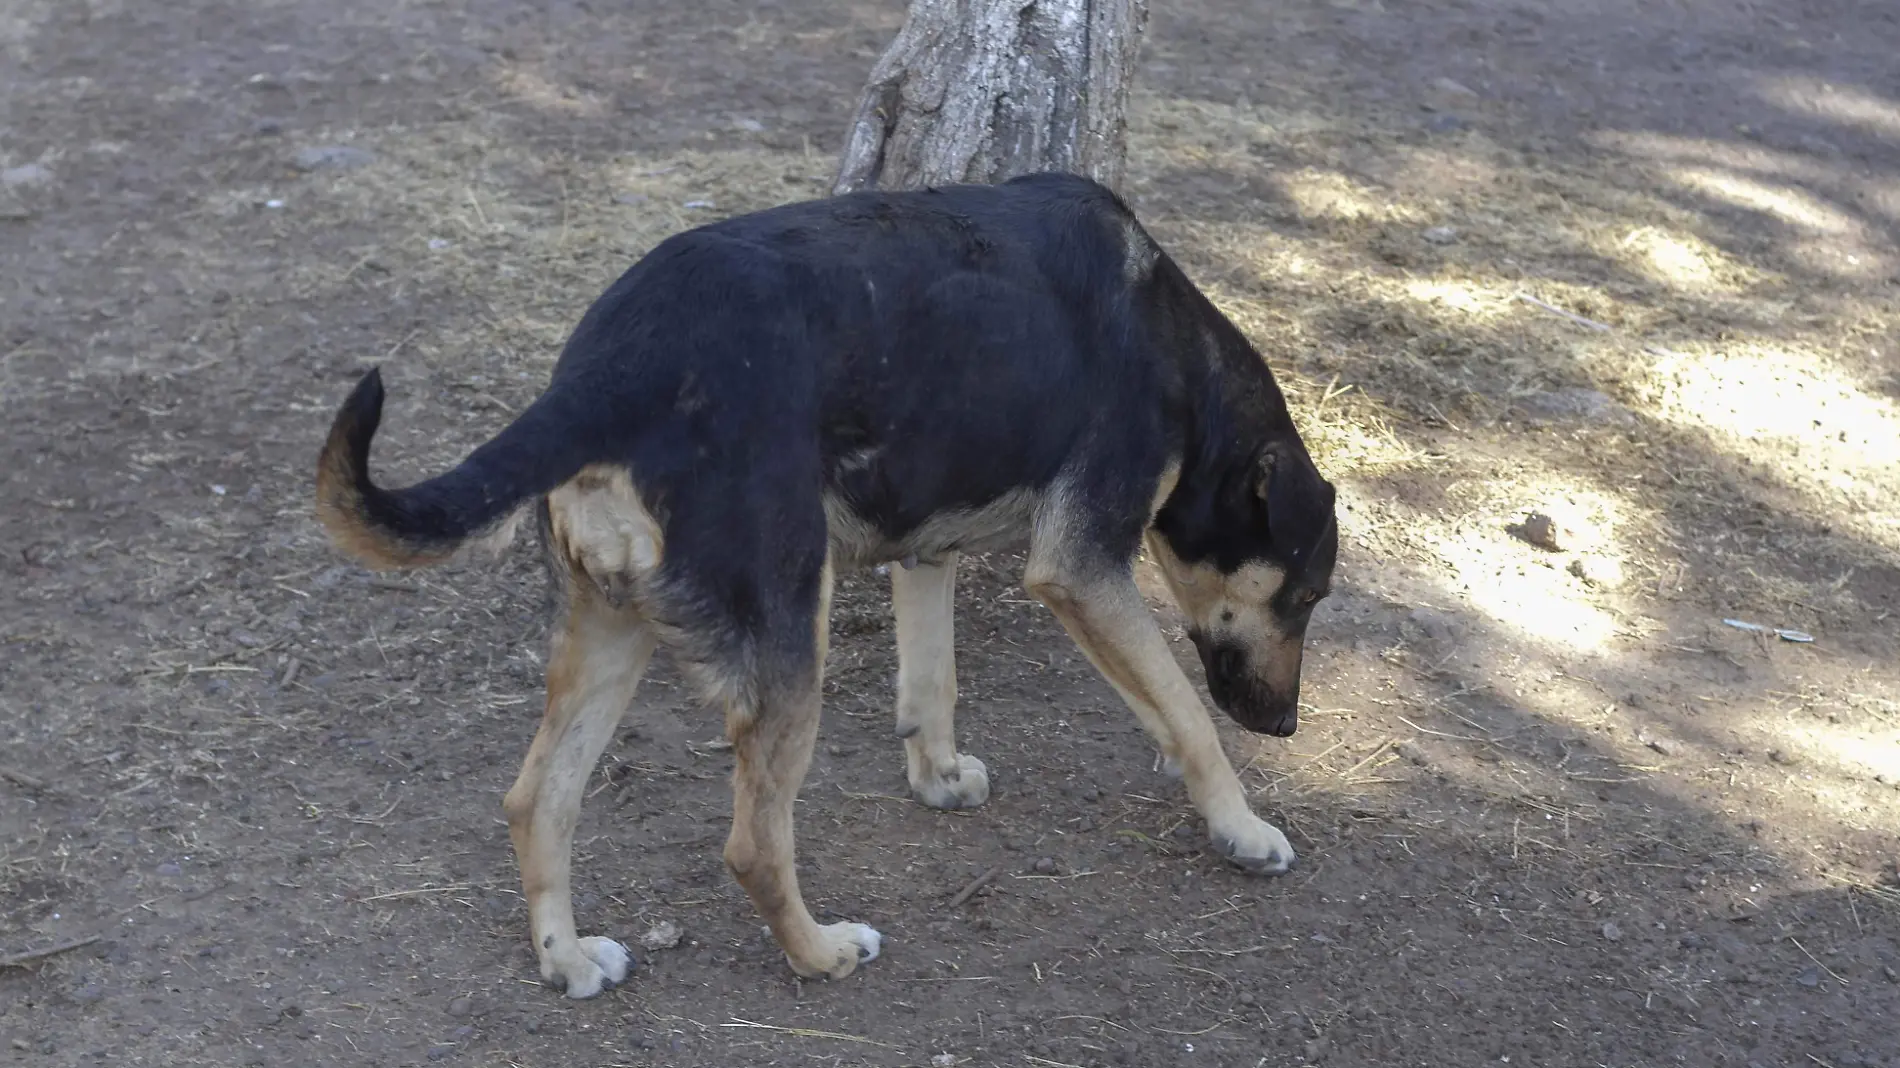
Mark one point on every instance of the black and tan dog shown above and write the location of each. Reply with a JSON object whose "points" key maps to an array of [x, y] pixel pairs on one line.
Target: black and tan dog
{"points": [[878, 377]]}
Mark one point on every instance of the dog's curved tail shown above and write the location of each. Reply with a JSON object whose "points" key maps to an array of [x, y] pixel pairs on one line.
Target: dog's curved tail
{"points": [[426, 523]]}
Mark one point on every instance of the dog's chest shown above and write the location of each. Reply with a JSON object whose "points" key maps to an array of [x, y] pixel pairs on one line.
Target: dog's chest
{"points": [[861, 541]]}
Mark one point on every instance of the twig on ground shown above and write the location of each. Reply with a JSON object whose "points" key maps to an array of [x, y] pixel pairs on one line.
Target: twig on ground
{"points": [[31, 782], [412, 893], [20, 960], [1555, 310], [806, 1032], [1442, 734], [969, 890], [1817, 960]]}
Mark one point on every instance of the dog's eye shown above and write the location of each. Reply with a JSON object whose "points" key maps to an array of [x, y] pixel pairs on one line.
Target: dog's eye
{"points": [[1310, 597]]}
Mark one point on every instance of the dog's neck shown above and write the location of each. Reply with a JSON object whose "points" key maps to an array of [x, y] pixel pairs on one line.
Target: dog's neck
{"points": [[1233, 407]]}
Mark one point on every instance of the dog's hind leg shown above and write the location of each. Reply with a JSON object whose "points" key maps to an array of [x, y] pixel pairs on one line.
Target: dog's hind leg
{"points": [[1103, 611], [772, 742], [924, 597], [596, 662]]}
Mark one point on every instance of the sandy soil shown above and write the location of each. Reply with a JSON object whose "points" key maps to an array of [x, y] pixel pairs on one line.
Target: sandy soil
{"points": [[1551, 809]]}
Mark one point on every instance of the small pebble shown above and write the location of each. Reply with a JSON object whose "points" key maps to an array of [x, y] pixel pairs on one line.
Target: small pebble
{"points": [[461, 1007], [1046, 866], [1612, 933], [437, 1053], [1690, 941], [1598, 571], [1809, 977], [26, 174], [170, 868], [663, 935], [1441, 235]]}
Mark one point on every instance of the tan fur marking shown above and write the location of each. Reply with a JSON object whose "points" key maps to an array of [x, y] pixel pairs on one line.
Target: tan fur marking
{"points": [[598, 657], [924, 599], [340, 511], [602, 525], [1235, 606], [772, 748], [1109, 621]]}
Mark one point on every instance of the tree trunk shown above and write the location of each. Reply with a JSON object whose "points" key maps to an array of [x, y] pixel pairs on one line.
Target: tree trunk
{"points": [[984, 90]]}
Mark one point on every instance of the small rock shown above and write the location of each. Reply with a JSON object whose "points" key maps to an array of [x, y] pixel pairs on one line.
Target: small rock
{"points": [[1440, 235], [1782, 757], [1809, 977], [290, 1012], [332, 158], [1691, 940], [1600, 572], [268, 127], [749, 125], [942, 1060], [461, 1006], [663, 935], [1886, 971], [1558, 535], [90, 993], [1045, 866], [438, 1053], [170, 868], [1246, 998], [1411, 752], [1446, 123], [26, 174], [1659, 746], [1451, 87]]}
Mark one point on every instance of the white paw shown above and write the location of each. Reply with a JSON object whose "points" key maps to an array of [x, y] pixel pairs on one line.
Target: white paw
{"points": [[595, 965], [846, 945], [968, 788], [1255, 846]]}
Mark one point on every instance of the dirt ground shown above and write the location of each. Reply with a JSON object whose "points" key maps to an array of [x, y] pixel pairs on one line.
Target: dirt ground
{"points": [[1629, 263]]}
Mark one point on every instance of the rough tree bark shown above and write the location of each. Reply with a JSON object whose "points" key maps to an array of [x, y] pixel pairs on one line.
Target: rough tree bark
{"points": [[984, 90]]}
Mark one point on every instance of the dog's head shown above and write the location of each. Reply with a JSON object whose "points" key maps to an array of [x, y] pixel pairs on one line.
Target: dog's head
{"points": [[1247, 558]]}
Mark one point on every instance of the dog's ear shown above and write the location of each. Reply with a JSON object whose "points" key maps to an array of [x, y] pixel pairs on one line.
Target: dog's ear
{"points": [[1298, 502]]}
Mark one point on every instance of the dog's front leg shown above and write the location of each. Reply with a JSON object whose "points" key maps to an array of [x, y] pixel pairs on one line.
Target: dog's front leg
{"points": [[924, 598], [593, 669], [1103, 611]]}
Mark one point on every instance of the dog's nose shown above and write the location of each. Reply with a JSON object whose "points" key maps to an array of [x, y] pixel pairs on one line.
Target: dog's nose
{"points": [[1288, 722]]}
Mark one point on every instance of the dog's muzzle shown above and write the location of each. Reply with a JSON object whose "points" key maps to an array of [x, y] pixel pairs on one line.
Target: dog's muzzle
{"points": [[1249, 700]]}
